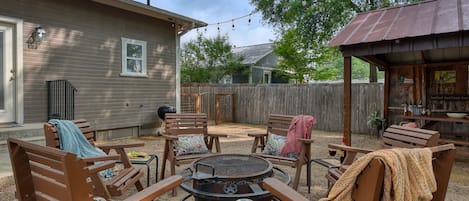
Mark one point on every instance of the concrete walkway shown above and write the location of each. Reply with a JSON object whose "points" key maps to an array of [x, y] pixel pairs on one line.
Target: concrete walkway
{"points": [[30, 132]]}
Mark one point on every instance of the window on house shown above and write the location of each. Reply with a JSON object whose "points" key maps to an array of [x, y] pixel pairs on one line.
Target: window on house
{"points": [[134, 57], [266, 78]]}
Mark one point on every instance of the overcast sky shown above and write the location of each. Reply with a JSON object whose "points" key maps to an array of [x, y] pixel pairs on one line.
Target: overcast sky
{"points": [[213, 11]]}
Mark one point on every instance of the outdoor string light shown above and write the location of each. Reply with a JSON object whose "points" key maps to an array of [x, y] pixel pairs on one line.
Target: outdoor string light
{"points": [[249, 16], [232, 21]]}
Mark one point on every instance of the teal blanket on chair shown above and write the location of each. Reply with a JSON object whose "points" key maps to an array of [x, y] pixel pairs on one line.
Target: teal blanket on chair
{"points": [[72, 140]]}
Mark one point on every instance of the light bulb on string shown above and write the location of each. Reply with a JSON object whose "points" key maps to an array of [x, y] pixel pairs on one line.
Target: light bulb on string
{"points": [[249, 20], [232, 25], [218, 27], [205, 30]]}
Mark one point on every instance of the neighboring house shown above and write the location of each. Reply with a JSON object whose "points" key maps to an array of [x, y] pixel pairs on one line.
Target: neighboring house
{"points": [[120, 56], [260, 59]]}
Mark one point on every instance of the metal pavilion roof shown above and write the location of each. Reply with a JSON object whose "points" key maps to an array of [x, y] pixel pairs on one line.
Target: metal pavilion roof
{"points": [[421, 19]]}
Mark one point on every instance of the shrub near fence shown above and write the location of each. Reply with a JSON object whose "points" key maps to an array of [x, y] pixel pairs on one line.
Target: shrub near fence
{"points": [[323, 101]]}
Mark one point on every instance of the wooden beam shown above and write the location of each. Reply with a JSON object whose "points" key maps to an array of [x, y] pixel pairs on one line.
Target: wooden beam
{"points": [[217, 108], [386, 94], [374, 60], [373, 74], [197, 103], [347, 101]]}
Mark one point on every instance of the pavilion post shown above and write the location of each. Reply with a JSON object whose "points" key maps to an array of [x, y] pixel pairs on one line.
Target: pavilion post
{"points": [[347, 100], [387, 72]]}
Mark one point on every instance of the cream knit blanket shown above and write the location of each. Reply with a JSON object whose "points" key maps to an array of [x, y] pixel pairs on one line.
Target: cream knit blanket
{"points": [[408, 175]]}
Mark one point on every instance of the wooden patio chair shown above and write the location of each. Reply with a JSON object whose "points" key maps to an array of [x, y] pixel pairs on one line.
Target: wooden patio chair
{"points": [[45, 173], [118, 184], [186, 124], [279, 124], [393, 137], [369, 183]]}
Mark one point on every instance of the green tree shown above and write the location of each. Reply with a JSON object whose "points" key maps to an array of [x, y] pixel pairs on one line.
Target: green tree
{"points": [[314, 23], [207, 60], [293, 62]]}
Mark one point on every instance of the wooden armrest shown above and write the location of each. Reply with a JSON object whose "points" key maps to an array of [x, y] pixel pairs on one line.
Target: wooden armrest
{"points": [[92, 169], [349, 149], [157, 189], [101, 158], [217, 135], [120, 146], [281, 190], [257, 134], [306, 141]]}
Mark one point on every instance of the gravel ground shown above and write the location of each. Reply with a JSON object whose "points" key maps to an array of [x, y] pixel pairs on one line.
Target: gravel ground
{"points": [[239, 142]]}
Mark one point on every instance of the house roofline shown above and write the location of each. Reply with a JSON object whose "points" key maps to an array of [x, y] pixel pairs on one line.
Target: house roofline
{"points": [[260, 57], [183, 23]]}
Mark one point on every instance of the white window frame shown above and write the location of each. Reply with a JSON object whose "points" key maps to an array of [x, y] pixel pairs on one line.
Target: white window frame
{"points": [[124, 71], [268, 73]]}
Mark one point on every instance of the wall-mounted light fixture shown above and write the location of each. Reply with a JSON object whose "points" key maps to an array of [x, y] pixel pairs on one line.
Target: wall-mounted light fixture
{"points": [[38, 35]]}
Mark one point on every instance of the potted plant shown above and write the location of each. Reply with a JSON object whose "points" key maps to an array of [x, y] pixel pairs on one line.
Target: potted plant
{"points": [[375, 121]]}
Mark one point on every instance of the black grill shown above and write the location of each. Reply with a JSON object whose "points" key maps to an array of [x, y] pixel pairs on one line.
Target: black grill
{"points": [[165, 109]]}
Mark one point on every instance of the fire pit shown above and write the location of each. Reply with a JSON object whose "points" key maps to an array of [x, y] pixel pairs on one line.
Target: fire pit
{"points": [[230, 177]]}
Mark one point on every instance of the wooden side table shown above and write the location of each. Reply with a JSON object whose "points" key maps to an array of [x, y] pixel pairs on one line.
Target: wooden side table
{"points": [[147, 162]]}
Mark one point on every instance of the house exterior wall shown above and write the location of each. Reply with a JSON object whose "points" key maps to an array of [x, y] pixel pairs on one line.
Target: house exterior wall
{"points": [[263, 65], [268, 61], [256, 74], [83, 46]]}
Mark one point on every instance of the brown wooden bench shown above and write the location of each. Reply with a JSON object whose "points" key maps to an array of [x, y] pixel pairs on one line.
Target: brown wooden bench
{"points": [[460, 140], [279, 125], [394, 136], [186, 124], [128, 176], [45, 173], [369, 183]]}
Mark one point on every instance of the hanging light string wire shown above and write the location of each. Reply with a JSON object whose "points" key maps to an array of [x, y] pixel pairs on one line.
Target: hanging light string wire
{"points": [[233, 19]]}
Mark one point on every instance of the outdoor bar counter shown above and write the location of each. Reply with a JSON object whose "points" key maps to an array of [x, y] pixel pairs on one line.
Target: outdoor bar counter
{"points": [[435, 119]]}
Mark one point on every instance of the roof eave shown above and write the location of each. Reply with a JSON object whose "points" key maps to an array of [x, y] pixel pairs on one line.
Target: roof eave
{"points": [[184, 23]]}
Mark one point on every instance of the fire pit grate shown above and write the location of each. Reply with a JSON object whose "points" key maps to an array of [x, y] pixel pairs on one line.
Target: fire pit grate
{"points": [[233, 166], [230, 177]]}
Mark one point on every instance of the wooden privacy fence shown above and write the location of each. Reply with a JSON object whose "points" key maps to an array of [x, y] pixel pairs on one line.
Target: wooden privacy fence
{"points": [[254, 103]]}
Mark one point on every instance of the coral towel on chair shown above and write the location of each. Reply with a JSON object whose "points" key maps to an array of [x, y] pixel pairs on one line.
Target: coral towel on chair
{"points": [[408, 175], [300, 127]]}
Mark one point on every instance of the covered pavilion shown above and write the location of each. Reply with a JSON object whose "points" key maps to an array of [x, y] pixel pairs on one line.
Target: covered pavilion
{"points": [[423, 48]]}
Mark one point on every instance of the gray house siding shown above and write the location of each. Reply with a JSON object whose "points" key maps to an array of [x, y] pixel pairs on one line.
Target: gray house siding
{"points": [[260, 59], [256, 75], [268, 61], [83, 46]]}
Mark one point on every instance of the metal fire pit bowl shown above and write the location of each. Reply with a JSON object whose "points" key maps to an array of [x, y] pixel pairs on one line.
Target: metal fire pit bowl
{"points": [[230, 177]]}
